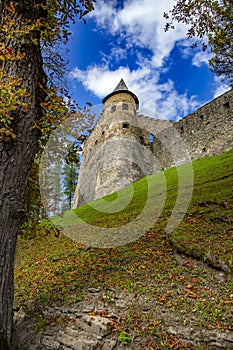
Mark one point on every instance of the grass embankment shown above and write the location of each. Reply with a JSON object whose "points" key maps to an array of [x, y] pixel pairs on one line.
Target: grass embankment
{"points": [[51, 269]]}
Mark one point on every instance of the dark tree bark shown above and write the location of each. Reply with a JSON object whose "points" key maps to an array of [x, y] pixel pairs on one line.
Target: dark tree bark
{"points": [[16, 156]]}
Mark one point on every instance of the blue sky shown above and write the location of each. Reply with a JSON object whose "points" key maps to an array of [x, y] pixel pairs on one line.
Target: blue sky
{"points": [[126, 39]]}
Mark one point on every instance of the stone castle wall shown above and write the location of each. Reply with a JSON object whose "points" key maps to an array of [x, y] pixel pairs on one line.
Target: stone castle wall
{"points": [[117, 152], [124, 146], [208, 131]]}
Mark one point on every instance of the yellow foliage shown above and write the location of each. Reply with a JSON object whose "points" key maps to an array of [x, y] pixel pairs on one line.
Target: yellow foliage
{"points": [[52, 26], [11, 8]]}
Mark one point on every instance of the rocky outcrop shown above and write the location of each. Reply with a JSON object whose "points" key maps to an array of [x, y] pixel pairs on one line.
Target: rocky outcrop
{"points": [[94, 323]]}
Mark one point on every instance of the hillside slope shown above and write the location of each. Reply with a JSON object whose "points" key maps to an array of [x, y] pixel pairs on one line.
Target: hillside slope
{"points": [[177, 285]]}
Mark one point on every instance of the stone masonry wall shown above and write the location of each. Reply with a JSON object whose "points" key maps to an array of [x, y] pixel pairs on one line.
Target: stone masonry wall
{"points": [[124, 146], [116, 154], [208, 131]]}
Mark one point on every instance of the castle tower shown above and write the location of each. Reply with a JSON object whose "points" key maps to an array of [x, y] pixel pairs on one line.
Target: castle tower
{"points": [[117, 152]]}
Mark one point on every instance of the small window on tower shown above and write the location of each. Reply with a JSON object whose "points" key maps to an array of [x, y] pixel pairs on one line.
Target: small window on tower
{"points": [[125, 106], [113, 109], [142, 140], [125, 125], [227, 104]]}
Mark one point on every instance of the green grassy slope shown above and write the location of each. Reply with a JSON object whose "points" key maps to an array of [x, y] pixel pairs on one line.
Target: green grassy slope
{"points": [[51, 269], [208, 219]]}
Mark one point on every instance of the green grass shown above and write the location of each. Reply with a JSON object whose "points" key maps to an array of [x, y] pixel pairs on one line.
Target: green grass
{"points": [[57, 269]]}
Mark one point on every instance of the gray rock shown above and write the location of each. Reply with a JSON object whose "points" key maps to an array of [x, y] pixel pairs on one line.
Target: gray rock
{"points": [[94, 324], [109, 344], [49, 342]]}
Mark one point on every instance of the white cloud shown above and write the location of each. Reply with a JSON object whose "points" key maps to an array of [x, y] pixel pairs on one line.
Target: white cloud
{"points": [[198, 56], [201, 57], [100, 80], [141, 24], [220, 88], [118, 53], [158, 100]]}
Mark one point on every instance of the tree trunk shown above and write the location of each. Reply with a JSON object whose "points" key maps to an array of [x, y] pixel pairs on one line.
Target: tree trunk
{"points": [[16, 156]]}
